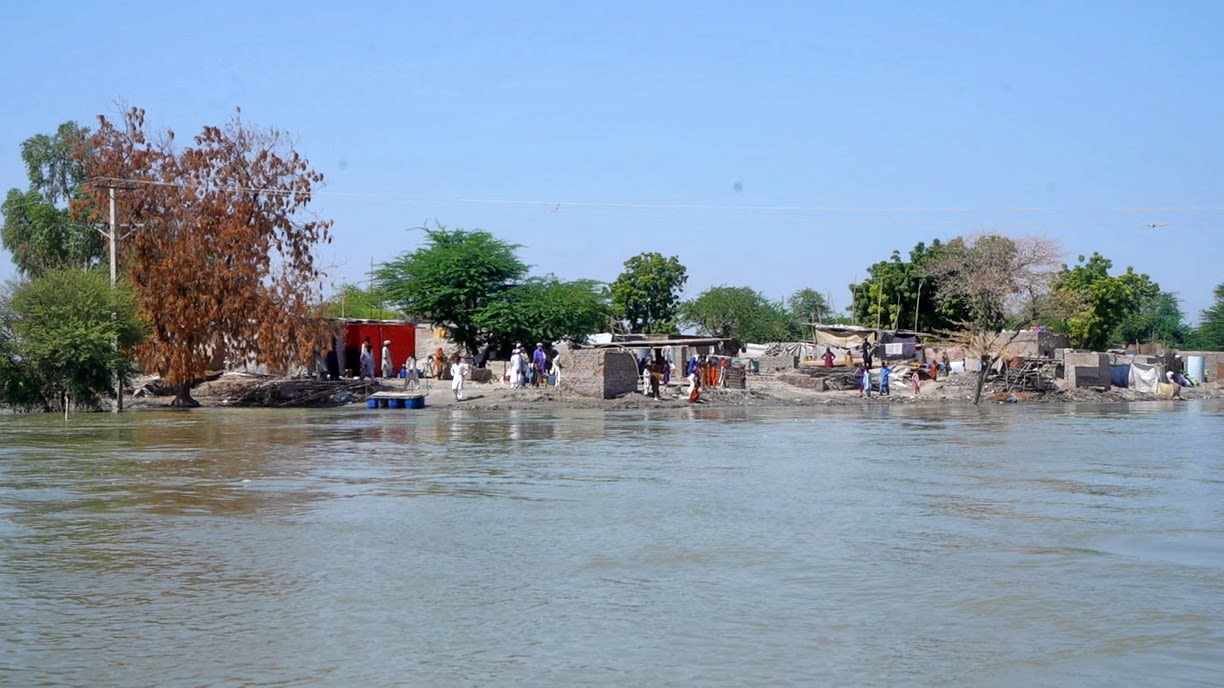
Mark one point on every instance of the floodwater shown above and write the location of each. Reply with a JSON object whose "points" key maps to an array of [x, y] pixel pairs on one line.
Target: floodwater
{"points": [[1062, 545]]}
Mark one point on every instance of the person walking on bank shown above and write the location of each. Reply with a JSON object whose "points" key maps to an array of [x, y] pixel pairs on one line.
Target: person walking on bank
{"points": [[411, 381], [458, 370]]}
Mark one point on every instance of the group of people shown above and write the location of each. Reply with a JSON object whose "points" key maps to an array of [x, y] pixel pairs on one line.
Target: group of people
{"points": [[862, 375], [459, 371], [539, 368]]}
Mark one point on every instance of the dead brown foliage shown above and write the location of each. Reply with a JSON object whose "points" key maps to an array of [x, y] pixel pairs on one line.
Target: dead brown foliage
{"points": [[218, 241]]}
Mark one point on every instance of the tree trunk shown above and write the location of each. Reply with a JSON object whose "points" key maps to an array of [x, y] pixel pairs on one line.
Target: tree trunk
{"points": [[977, 395], [184, 399]]}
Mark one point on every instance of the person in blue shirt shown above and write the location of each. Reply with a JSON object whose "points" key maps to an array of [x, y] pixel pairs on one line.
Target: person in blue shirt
{"points": [[539, 365], [885, 373]]}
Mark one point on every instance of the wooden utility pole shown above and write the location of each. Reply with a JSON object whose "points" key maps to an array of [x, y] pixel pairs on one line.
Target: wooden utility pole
{"points": [[113, 237]]}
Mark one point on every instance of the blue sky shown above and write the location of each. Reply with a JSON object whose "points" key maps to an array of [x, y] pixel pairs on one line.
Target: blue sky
{"points": [[772, 145]]}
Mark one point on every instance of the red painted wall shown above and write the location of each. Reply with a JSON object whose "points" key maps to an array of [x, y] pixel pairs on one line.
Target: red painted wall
{"points": [[402, 336]]}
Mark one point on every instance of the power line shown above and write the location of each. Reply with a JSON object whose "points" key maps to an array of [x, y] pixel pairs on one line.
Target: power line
{"points": [[560, 204]]}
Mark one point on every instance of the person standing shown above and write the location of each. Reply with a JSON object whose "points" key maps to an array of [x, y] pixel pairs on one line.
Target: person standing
{"points": [[694, 388], [828, 357], [539, 363], [367, 361], [517, 375], [885, 373], [411, 380], [388, 368], [458, 371], [554, 369], [439, 362], [866, 355]]}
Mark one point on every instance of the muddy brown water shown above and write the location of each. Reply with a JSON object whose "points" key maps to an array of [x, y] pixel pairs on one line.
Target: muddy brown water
{"points": [[1061, 545]]}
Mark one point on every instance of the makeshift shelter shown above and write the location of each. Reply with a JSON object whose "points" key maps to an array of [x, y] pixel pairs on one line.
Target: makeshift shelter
{"points": [[401, 334]]}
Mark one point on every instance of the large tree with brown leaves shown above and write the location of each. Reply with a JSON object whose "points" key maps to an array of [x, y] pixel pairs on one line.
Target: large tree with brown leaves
{"points": [[219, 242]]}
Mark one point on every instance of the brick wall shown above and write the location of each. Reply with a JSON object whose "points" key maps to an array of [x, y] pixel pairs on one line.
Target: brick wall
{"points": [[599, 373]]}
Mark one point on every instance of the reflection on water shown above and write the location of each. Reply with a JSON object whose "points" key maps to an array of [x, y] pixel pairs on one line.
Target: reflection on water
{"points": [[882, 545]]}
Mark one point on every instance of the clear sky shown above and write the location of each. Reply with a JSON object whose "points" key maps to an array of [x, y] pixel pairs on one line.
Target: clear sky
{"points": [[771, 145]]}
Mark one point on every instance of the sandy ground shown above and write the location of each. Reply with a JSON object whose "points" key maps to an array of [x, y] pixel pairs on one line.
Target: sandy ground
{"points": [[763, 390]]}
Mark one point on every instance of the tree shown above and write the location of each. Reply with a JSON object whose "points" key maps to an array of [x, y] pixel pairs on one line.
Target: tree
{"points": [[361, 304], [737, 312], [1158, 317], [994, 280], [69, 331], [221, 250], [1210, 333], [646, 296], [452, 280], [45, 226], [896, 290], [544, 310], [1097, 309], [809, 306]]}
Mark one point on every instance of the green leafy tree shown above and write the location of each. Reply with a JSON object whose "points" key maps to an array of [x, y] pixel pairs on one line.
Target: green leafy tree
{"points": [[544, 310], [47, 226], [71, 332], [1158, 317], [808, 306], [452, 280], [1094, 305], [1209, 335], [352, 301], [896, 290], [737, 312], [646, 296], [18, 388]]}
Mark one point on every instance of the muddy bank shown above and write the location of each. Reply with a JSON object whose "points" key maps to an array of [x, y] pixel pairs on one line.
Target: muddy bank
{"points": [[243, 390]]}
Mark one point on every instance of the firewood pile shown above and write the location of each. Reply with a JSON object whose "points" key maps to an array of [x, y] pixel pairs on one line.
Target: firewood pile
{"points": [[289, 393], [1026, 375]]}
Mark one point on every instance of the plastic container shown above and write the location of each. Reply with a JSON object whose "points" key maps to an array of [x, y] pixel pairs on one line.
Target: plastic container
{"points": [[395, 403], [1194, 368], [415, 402], [371, 403]]}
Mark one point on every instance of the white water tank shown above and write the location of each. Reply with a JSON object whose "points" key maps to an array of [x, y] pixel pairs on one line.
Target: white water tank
{"points": [[1194, 369]]}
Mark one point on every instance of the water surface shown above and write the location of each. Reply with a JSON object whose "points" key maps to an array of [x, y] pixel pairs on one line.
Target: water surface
{"points": [[885, 545]]}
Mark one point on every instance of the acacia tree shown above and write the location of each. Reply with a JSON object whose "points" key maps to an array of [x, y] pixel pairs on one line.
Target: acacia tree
{"points": [[45, 226], [808, 306], [451, 280], [646, 296], [999, 282], [739, 312], [220, 250], [544, 310], [352, 301], [996, 279]]}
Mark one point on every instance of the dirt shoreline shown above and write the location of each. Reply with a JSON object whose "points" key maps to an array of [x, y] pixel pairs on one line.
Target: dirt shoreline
{"points": [[240, 390]]}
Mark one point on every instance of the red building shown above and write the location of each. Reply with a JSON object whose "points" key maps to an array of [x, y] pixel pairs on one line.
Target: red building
{"points": [[401, 334]]}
